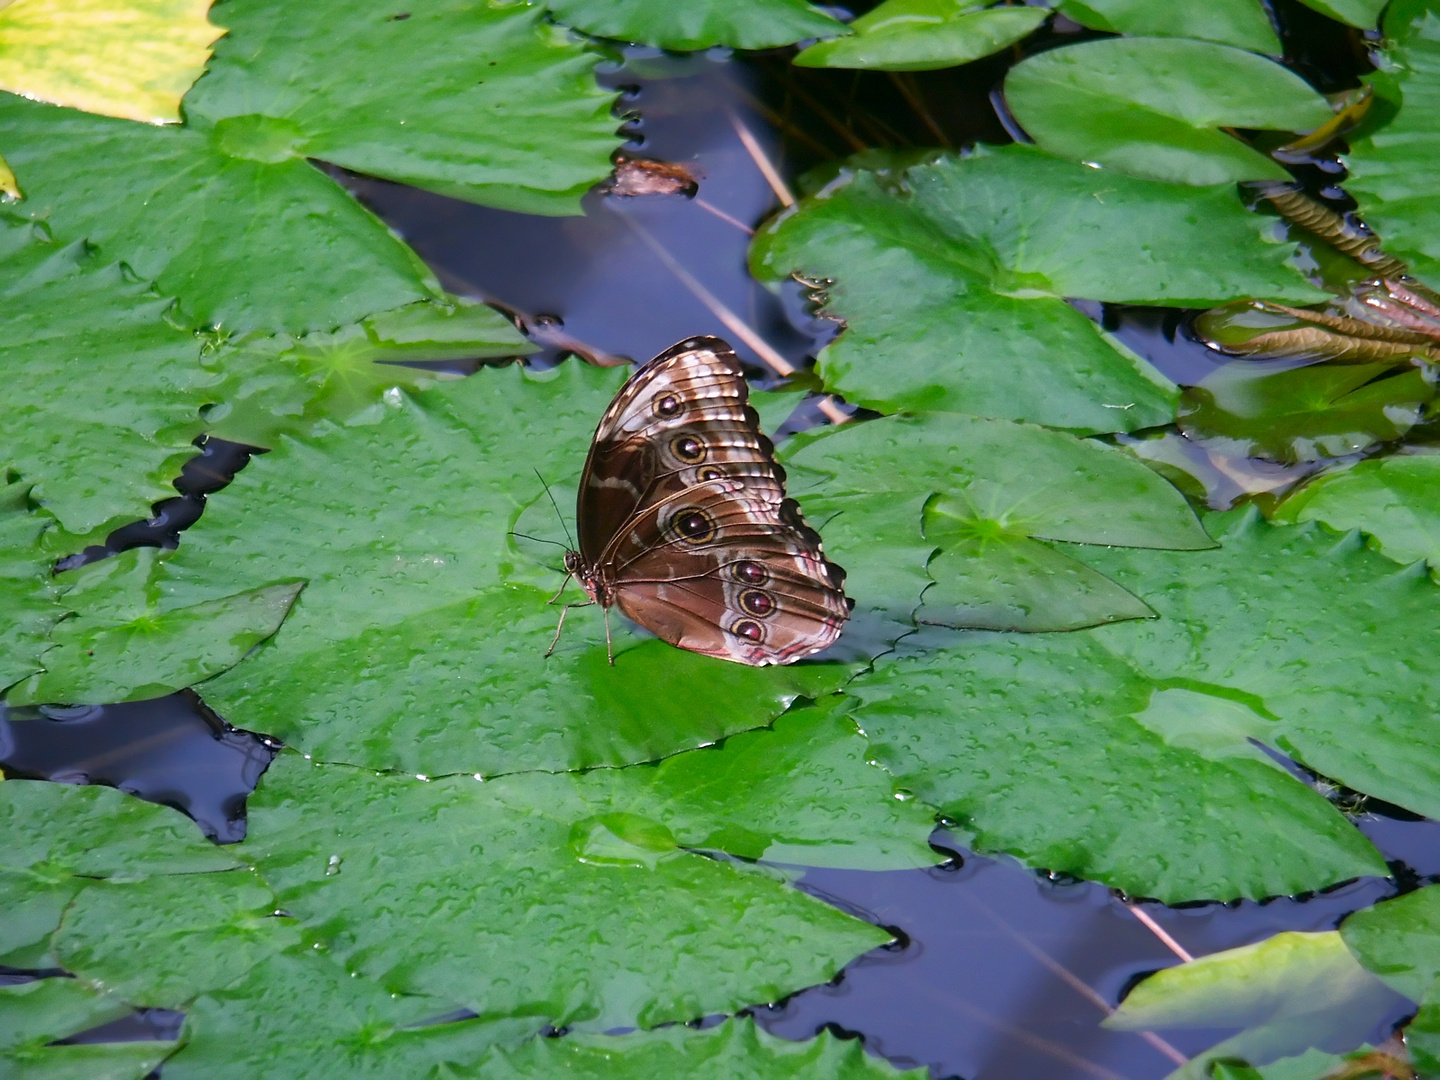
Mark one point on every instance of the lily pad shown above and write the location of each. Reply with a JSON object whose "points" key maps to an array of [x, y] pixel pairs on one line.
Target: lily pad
{"points": [[1303, 625], [105, 454], [164, 940], [1155, 107], [1399, 940], [1362, 13], [27, 595], [119, 647], [1017, 484], [248, 243], [129, 58], [1289, 992], [698, 24], [951, 282], [482, 102], [1387, 168], [1392, 499], [493, 896], [920, 35], [34, 1014], [1053, 749], [1241, 23]]}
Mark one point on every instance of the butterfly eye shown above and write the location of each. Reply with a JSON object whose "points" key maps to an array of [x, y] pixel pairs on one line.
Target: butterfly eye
{"points": [[752, 573], [668, 405], [749, 629], [694, 526], [757, 603], [688, 448]]}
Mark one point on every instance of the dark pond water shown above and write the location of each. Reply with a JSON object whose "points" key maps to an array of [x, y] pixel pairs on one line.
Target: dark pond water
{"points": [[1000, 972]]}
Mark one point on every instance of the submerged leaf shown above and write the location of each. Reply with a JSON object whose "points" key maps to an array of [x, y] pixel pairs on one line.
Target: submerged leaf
{"points": [[1306, 413], [1241, 23], [128, 58], [1289, 992], [1389, 168], [952, 286], [1154, 107], [474, 892], [920, 35], [1396, 500], [698, 24], [483, 102], [118, 646]]}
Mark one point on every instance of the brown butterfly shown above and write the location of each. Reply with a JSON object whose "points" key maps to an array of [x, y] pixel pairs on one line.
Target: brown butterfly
{"points": [[684, 524]]}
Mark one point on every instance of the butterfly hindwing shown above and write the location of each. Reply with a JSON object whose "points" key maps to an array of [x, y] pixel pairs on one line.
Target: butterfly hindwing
{"points": [[684, 524]]}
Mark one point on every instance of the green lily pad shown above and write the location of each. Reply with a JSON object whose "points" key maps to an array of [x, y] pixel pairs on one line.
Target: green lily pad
{"points": [[920, 35], [485, 896], [104, 455], [420, 640], [1154, 107], [698, 24], [57, 831], [1387, 168], [1392, 499], [1053, 749], [278, 385], [798, 792], [1289, 993], [1302, 625], [120, 647], [28, 596], [482, 102], [1017, 484], [33, 906], [1304, 414], [735, 1050], [1399, 941], [952, 294], [242, 243], [34, 1014], [164, 940], [1241, 23], [128, 58]]}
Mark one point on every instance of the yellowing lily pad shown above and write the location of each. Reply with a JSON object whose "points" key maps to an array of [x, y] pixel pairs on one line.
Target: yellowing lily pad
{"points": [[128, 58]]}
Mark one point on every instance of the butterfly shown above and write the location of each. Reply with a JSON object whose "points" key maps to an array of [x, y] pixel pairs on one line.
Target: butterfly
{"points": [[684, 524]]}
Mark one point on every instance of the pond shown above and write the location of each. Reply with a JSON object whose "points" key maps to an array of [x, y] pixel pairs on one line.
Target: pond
{"points": [[1056, 704]]}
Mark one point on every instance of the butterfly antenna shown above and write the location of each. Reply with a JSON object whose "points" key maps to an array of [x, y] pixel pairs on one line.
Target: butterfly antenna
{"points": [[556, 505], [537, 539]]}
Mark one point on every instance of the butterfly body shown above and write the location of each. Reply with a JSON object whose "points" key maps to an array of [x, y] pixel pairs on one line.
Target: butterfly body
{"points": [[684, 524]]}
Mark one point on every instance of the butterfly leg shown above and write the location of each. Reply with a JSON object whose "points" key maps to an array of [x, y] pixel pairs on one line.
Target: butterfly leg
{"points": [[559, 593], [609, 652], [561, 625]]}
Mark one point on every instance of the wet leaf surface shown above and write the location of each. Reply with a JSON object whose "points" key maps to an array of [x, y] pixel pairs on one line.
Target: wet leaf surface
{"points": [[244, 243], [105, 455], [698, 24], [1392, 499], [481, 893], [1154, 107], [1388, 169], [1290, 992], [117, 645], [486, 103], [33, 1014], [133, 58], [1052, 748], [1241, 23], [952, 295], [1013, 484], [27, 595], [919, 35]]}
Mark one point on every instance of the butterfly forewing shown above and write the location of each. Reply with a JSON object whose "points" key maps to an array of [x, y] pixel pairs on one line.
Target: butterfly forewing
{"points": [[684, 523]]}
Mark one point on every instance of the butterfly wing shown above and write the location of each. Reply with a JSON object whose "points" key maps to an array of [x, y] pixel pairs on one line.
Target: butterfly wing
{"points": [[683, 516]]}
